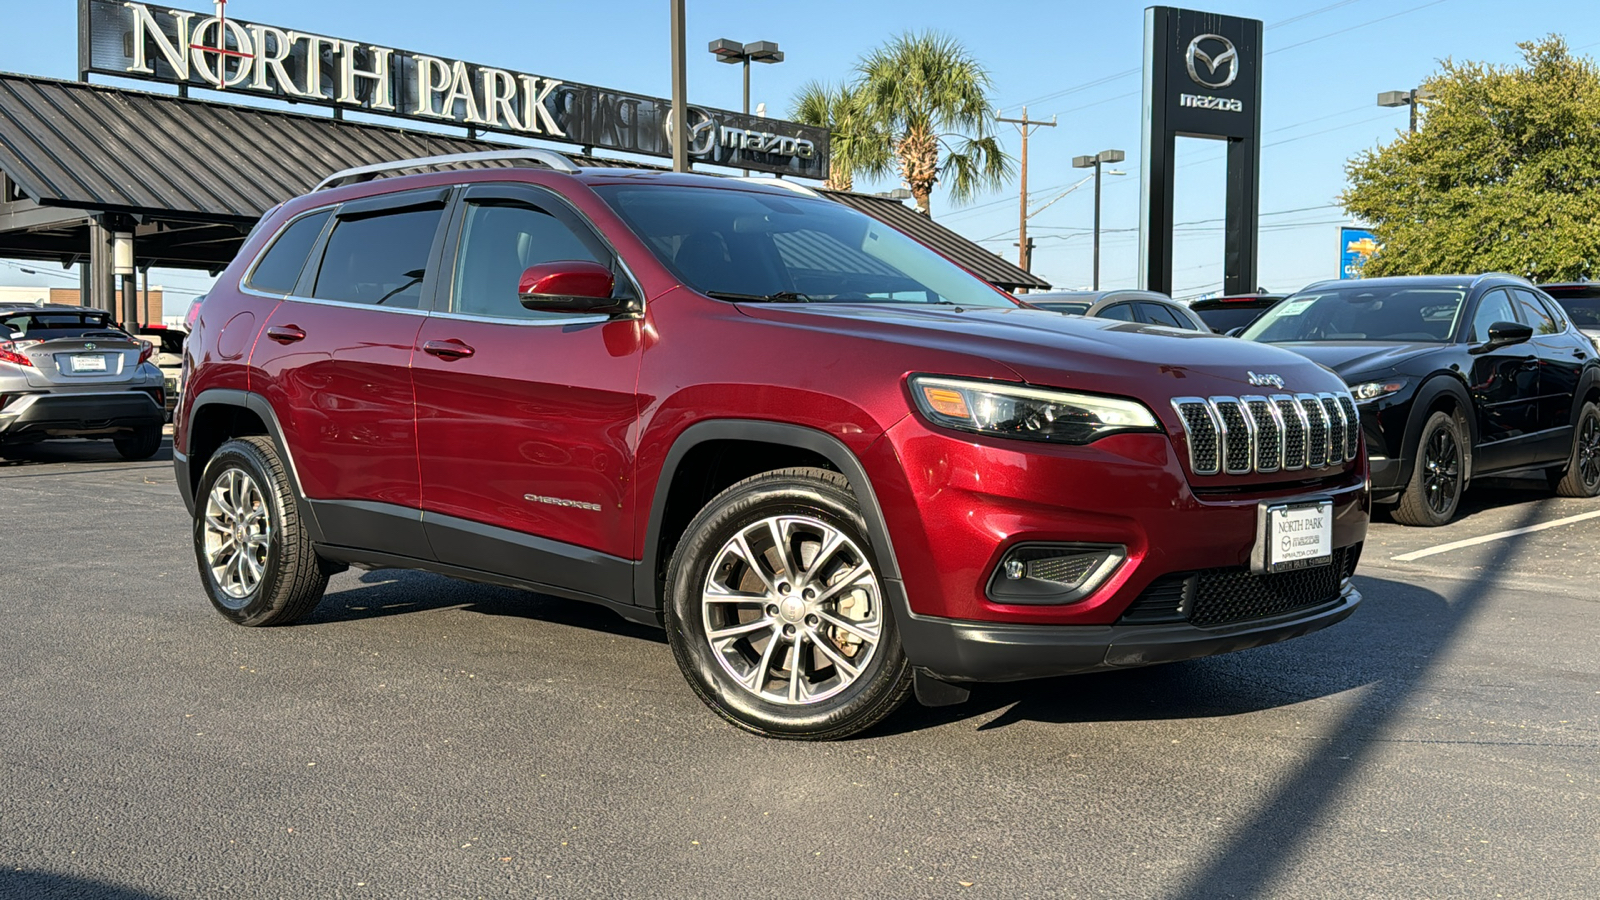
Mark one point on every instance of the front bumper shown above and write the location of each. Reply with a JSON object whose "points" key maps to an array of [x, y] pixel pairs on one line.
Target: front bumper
{"points": [[39, 416], [984, 651]]}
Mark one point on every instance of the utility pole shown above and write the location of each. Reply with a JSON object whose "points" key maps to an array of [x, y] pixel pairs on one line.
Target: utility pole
{"points": [[1025, 125]]}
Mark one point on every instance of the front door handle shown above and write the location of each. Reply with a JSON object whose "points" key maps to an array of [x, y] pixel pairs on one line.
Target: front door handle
{"points": [[286, 334], [448, 350], [1580, 354]]}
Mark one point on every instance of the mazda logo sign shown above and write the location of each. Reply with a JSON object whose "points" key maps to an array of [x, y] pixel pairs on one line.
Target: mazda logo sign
{"points": [[702, 130], [1213, 53]]}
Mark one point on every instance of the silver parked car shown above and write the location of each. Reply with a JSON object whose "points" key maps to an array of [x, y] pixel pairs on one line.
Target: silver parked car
{"points": [[1144, 307], [66, 371]]}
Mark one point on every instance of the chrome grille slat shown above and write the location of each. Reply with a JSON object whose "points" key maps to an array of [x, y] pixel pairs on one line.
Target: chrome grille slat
{"points": [[1260, 434]]}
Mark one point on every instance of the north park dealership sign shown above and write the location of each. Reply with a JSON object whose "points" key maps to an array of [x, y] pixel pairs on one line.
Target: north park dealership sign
{"points": [[222, 53]]}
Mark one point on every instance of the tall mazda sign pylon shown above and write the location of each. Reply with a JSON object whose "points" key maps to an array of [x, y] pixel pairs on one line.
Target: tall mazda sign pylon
{"points": [[1202, 78]]}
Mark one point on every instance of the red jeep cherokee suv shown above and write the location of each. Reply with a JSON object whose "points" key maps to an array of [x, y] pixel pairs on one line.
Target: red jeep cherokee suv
{"points": [[834, 465]]}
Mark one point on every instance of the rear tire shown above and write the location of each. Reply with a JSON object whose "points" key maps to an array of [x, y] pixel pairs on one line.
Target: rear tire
{"points": [[255, 557], [141, 444], [1581, 477], [1438, 476], [796, 640]]}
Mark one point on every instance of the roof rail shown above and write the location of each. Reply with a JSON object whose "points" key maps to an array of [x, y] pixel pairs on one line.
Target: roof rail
{"points": [[549, 158], [780, 182]]}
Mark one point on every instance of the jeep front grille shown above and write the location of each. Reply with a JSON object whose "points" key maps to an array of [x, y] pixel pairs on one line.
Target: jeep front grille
{"points": [[1283, 432]]}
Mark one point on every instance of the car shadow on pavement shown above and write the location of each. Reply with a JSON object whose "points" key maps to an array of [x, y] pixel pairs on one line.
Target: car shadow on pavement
{"points": [[391, 592], [1406, 631], [1489, 494], [50, 886], [75, 452]]}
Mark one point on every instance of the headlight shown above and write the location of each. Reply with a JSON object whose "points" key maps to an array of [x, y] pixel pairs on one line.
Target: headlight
{"points": [[1030, 414], [1376, 390]]}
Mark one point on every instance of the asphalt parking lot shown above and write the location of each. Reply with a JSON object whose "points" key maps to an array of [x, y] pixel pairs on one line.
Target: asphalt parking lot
{"points": [[421, 737]]}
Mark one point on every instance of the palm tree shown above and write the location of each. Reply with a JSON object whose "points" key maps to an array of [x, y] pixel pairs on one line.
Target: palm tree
{"points": [[928, 93], [856, 145]]}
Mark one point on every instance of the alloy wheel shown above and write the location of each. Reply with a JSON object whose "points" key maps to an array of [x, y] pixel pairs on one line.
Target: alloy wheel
{"points": [[238, 531], [792, 610], [1442, 471], [1589, 451]]}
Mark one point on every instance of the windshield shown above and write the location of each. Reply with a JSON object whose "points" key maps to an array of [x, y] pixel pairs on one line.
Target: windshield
{"points": [[1071, 307], [1358, 313], [1582, 305], [745, 245], [1227, 318], [51, 326]]}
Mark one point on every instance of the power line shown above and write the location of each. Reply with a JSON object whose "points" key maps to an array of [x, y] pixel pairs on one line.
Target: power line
{"points": [[1330, 34]]}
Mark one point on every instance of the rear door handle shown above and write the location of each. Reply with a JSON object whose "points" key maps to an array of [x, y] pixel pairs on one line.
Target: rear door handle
{"points": [[286, 334], [448, 350]]}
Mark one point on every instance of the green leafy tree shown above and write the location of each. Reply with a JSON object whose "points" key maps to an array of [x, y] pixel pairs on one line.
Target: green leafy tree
{"points": [[856, 145], [1502, 175], [931, 98]]}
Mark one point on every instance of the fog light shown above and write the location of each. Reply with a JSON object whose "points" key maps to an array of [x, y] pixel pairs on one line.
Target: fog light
{"points": [[1054, 573]]}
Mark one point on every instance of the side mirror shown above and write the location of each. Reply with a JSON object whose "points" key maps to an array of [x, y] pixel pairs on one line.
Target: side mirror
{"points": [[1235, 332], [569, 285], [1504, 334]]}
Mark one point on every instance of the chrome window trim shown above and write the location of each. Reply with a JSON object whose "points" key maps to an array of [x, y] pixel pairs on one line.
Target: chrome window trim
{"points": [[318, 301], [571, 319]]}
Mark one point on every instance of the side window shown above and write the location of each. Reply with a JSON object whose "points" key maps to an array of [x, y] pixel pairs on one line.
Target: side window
{"points": [[1122, 312], [279, 268], [378, 260], [498, 242], [1160, 315], [1534, 313], [1494, 307], [1550, 307]]}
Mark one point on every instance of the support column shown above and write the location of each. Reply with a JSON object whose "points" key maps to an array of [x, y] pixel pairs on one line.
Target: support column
{"points": [[102, 282]]}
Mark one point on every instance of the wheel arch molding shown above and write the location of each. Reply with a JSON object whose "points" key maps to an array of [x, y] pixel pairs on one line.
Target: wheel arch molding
{"points": [[1588, 385], [781, 437], [252, 414], [1422, 404]]}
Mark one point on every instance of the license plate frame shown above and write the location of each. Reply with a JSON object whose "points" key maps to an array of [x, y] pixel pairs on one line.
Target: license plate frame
{"points": [[88, 364], [1292, 536]]}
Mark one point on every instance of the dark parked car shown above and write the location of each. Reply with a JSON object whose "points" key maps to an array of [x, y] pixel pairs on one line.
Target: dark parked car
{"points": [[1144, 307], [834, 465], [1581, 302], [1456, 377], [1224, 314]]}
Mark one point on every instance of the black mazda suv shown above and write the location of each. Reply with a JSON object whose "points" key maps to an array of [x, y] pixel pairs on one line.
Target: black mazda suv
{"points": [[1455, 377]]}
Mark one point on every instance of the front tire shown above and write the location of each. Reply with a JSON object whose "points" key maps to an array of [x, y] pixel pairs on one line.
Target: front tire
{"points": [[256, 560], [1581, 477], [776, 614], [1433, 495], [142, 443]]}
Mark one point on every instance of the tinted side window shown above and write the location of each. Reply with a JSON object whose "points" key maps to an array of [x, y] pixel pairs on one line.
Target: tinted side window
{"points": [[379, 259], [1494, 307], [280, 267], [1534, 313], [498, 242], [1122, 312], [1583, 307], [1160, 315], [1552, 308]]}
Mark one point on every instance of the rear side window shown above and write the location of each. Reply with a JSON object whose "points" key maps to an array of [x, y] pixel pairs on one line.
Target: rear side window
{"points": [[1534, 313], [378, 260], [279, 269], [1160, 315], [1122, 312]]}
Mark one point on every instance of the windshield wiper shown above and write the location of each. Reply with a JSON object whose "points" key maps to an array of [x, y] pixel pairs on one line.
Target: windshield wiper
{"points": [[778, 297]]}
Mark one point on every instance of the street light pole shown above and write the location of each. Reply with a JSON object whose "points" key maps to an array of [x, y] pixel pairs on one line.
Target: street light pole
{"points": [[1096, 162], [1409, 98], [734, 52], [680, 91]]}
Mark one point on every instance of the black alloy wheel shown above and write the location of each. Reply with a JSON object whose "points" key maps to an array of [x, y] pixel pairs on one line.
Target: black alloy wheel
{"points": [[1434, 492], [1581, 477]]}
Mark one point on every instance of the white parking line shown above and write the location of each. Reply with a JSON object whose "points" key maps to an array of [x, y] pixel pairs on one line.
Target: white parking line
{"points": [[1445, 548]]}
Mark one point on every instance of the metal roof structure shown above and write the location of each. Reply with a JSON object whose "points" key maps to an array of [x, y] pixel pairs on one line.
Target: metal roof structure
{"points": [[190, 177]]}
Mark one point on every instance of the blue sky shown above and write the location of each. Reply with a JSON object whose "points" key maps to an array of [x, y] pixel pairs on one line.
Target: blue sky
{"points": [[1326, 62]]}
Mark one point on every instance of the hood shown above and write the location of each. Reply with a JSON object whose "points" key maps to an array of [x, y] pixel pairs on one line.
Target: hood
{"points": [[1361, 357], [1045, 348]]}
